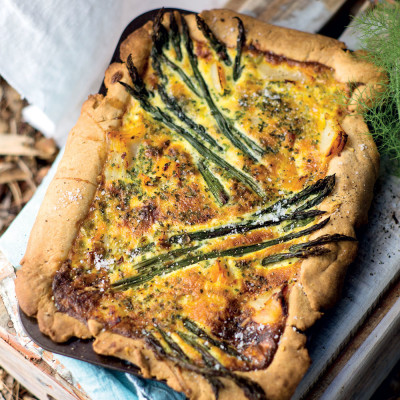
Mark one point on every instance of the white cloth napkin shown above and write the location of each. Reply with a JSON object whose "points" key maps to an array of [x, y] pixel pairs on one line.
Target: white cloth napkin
{"points": [[55, 52]]}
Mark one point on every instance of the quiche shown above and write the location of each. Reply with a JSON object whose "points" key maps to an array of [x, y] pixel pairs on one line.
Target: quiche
{"points": [[203, 214]]}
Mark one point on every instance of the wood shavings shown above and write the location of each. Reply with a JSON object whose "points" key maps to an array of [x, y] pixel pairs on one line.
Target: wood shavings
{"points": [[10, 389], [25, 156]]}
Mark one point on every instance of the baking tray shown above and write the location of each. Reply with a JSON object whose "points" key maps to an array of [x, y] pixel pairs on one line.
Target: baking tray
{"points": [[77, 348]]}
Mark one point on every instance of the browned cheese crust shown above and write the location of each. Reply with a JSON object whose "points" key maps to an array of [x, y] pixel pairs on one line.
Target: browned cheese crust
{"points": [[71, 192]]}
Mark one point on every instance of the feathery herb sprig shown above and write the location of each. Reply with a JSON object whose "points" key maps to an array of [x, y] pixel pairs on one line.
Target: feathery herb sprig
{"points": [[379, 33]]}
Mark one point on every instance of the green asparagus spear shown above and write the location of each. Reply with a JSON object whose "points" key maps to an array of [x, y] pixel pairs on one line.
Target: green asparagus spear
{"points": [[217, 45], [214, 184], [241, 40]]}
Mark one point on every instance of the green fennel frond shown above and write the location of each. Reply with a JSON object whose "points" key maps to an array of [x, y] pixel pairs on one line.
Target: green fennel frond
{"points": [[379, 33]]}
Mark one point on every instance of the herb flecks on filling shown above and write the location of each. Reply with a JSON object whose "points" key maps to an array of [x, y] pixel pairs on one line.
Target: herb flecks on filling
{"points": [[206, 202]]}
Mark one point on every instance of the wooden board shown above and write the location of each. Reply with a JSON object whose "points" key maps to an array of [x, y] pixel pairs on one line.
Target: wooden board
{"points": [[31, 375]]}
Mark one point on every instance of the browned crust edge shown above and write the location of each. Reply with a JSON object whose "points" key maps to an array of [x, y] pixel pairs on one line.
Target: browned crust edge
{"points": [[321, 278]]}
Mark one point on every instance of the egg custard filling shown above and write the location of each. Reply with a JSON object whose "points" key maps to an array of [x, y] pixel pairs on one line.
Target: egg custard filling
{"points": [[206, 203]]}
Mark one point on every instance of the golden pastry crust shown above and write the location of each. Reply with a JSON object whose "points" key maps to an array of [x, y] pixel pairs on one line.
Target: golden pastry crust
{"points": [[71, 192]]}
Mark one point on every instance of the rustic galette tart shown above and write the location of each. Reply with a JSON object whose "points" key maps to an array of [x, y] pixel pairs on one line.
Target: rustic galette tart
{"points": [[203, 214]]}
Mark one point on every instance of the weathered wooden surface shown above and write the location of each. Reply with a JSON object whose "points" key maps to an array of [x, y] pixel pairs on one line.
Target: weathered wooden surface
{"points": [[34, 367], [371, 323], [371, 363], [28, 371], [304, 15], [349, 35], [22, 154]]}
